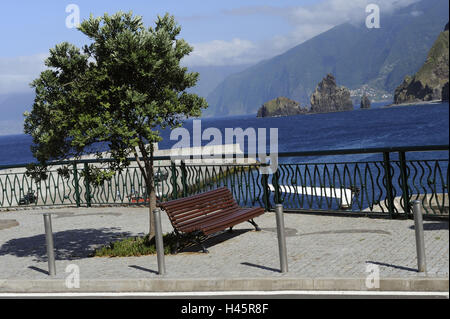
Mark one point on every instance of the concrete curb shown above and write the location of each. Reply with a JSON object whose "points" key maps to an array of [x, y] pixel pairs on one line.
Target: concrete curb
{"points": [[219, 285]]}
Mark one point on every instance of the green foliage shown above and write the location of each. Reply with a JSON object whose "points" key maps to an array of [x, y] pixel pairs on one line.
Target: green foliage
{"points": [[140, 246], [434, 72], [121, 89]]}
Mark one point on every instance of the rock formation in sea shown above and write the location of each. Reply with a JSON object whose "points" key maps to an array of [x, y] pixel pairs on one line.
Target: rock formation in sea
{"points": [[328, 97], [428, 83], [365, 102], [281, 106]]}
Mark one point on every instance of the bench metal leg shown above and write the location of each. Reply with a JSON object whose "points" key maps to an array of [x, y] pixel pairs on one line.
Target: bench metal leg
{"points": [[251, 221], [177, 247], [230, 230], [204, 250], [199, 241]]}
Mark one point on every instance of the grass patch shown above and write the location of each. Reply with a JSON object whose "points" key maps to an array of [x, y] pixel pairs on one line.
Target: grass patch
{"points": [[136, 246]]}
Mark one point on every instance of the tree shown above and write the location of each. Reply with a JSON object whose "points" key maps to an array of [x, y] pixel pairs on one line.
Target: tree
{"points": [[120, 89]]}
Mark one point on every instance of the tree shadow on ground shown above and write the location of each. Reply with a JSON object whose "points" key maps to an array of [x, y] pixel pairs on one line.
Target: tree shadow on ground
{"points": [[69, 244]]}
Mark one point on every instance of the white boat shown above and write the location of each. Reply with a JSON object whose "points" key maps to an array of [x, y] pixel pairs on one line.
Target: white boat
{"points": [[345, 194]]}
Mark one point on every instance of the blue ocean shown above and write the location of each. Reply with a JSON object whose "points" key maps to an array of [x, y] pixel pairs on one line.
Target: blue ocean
{"points": [[426, 124]]}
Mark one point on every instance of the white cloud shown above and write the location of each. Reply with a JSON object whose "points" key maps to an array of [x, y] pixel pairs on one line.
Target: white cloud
{"points": [[416, 13], [306, 22], [16, 73], [218, 52]]}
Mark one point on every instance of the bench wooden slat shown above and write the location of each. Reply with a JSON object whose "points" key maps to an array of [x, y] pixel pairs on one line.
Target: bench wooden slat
{"points": [[230, 223], [230, 220], [200, 205], [208, 213], [200, 197], [212, 210], [205, 219]]}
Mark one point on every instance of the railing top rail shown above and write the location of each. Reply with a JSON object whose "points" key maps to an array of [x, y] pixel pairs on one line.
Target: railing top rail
{"points": [[394, 149]]}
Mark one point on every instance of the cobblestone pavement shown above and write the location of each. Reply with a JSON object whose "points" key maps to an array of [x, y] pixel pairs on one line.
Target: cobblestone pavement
{"points": [[318, 246]]}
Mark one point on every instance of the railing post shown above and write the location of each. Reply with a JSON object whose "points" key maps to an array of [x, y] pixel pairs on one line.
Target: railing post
{"points": [[420, 242], [276, 185], [87, 183], [404, 178], [266, 192], [174, 181], [388, 178], [77, 185], [183, 178]]}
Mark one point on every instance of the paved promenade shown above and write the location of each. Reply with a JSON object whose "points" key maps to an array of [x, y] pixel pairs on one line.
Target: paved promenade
{"points": [[319, 247]]}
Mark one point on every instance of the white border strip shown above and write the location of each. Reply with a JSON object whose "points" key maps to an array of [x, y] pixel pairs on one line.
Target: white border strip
{"points": [[231, 294]]}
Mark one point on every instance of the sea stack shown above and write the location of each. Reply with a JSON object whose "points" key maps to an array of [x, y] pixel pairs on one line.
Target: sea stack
{"points": [[365, 102], [281, 106], [328, 97]]}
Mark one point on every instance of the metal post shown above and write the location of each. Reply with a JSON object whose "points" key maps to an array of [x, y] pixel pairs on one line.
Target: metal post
{"points": [[77, 187], [266, 192], [276, 185], [281, 238], [159, 242], [49, 242], [404, 178], [174, 181], [87, 181], [388, 178], [183, 178], [420, 242]]}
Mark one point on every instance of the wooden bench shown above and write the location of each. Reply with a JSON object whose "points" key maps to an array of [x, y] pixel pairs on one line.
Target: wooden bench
{"points": [[208, 213]]}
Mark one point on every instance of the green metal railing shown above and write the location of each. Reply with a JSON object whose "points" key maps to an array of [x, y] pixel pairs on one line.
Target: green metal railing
{"points": [[383, 186]]}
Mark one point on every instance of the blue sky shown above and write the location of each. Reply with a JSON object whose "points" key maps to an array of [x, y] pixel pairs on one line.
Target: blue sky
{"points": [[32, 27], [222, 32]]}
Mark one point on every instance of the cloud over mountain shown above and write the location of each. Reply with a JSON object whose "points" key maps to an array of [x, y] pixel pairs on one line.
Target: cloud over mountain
{"points": [[306, 22]]}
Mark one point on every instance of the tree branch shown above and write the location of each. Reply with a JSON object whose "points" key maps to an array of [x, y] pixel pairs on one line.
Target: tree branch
{"points": [[142, 168]]}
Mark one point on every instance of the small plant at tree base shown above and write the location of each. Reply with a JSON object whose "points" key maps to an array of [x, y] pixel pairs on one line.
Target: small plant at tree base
{"points": [[141, 246]]}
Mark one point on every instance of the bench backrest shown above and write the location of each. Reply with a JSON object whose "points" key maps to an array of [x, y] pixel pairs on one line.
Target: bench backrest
{"points": [[187, 210]]}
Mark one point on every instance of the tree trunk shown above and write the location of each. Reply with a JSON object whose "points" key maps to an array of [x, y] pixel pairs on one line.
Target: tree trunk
{"points": [[151, 195]]}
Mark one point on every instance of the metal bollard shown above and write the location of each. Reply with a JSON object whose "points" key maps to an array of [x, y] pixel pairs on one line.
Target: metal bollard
{"points": [[159, 242], [281, 238], [50, 246], [420, 242]]}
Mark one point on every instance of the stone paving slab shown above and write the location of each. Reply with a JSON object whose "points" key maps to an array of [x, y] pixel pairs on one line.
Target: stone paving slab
{"points": [[319, 247]]}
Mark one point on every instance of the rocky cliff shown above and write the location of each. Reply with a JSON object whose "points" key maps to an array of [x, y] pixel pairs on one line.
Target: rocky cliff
{"points": [[355, 55], [428, 83], [281, 106], [328, 97]]}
